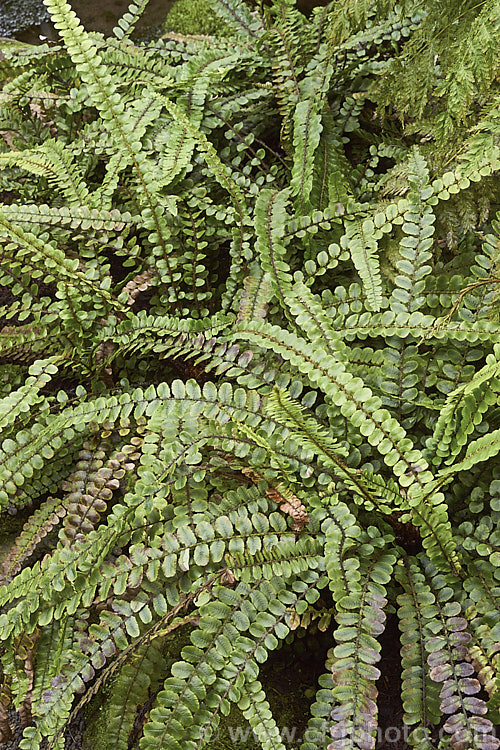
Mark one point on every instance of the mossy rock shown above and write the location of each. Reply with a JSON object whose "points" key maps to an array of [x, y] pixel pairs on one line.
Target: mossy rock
{"points": [[195, 17]]}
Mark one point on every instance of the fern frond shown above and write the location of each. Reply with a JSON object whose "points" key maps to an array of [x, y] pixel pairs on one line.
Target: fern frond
{"points": [[465, 711], [360, 240], [288, 61], [429, 512], [228, 614], [415, 253], [25, 398], [464, 409], [130, 689], [308, 126], [36, 253], [475, 67], [354, 693], [255, 296], [305, 429], [56, 163], [239, 17], [127, 23], [33, 215], [247, 348], [270, 214], [345, 391], [419, 693], [348, 18], [35, 529], [310, 315], [477, 451], [332, 182]]}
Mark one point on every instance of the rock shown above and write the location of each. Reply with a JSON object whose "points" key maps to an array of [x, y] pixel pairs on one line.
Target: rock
{"points": [[17, 16]]}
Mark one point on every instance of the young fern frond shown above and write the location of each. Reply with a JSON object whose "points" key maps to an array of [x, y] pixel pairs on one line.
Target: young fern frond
{"points": [[255, 296], [127, 23], [55, 163], [477, 451], [360, 239], [429, 514], [270, 215], [304, 429]]}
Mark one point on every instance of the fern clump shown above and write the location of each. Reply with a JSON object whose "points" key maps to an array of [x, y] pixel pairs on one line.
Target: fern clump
{"points": [[250, 384]]}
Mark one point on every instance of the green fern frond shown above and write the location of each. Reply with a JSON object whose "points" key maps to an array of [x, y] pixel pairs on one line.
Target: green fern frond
{"points": [[128, 21], [419, 693], [270, 214], [304, 428], [239, 17], [55, 163], [464, 409], [360, 239], [33, 215]]}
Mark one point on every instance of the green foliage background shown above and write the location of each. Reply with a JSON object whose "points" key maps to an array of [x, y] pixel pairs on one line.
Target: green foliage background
{"points": [[251, 372]]}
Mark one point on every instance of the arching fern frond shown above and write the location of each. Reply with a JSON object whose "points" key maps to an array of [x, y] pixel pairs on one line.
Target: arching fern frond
{"points": [[127, 23]]}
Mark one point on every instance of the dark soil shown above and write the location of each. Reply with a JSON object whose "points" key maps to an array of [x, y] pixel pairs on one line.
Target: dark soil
{"points": [[391, 732], [73, 735]]}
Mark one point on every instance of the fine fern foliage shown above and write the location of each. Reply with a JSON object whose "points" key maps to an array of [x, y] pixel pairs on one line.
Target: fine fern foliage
{"points": [[250, 375]]}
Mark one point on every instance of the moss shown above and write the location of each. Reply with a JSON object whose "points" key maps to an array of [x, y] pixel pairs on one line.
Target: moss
{"points": [[96, 721], [195, 17]]}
